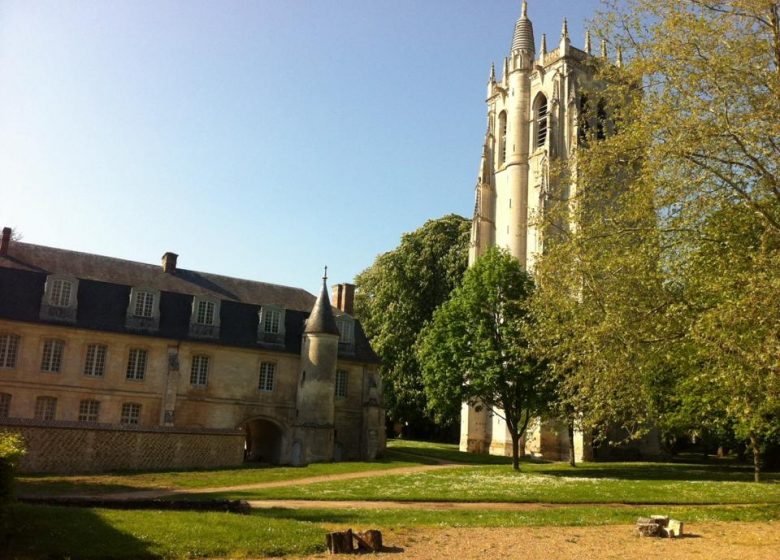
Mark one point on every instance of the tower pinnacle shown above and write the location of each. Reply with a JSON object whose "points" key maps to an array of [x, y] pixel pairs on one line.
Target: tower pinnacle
{"points": [[523, 38]]}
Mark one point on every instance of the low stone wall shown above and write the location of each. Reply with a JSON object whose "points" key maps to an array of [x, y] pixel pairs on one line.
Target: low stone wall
{"points": [[64, 447]]}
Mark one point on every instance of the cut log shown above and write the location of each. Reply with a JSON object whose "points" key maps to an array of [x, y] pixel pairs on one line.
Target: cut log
{"points": [[340, 542], [651, 529], [369, 541]]}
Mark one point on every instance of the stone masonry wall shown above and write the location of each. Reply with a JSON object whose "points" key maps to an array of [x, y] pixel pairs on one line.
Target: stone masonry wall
{"points": [[63, 448]]}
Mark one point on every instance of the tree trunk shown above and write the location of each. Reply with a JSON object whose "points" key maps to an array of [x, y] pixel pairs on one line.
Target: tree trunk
{"points": [[572, 459], [515, 449], [756, 458]]}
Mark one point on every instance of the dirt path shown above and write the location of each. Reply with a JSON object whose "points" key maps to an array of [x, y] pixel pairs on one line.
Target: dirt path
{"points": [[169, 492], [715, 541], [427, 506]]}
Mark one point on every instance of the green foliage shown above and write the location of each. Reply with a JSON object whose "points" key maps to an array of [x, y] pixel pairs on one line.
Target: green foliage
{"points": [[476, 347], [660, 299], [397, 295], [12, 449]]}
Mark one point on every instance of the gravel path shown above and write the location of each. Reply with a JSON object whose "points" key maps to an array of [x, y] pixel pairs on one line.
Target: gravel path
{"points": [[715, 541]]}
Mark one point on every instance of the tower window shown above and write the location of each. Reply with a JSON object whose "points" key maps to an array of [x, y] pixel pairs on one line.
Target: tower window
{"points": [[541, 121], [341, 383], [502, 137]]}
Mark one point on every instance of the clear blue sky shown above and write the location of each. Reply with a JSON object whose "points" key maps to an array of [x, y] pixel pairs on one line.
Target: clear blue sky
{"points": [[262, 139]]}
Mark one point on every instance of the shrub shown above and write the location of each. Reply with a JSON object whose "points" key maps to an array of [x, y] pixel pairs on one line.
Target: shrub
{"points": [[11, 450]]}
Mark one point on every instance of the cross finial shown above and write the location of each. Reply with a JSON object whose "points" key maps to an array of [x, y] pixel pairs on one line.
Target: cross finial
{"points": [[325, 277], [525, 10]]}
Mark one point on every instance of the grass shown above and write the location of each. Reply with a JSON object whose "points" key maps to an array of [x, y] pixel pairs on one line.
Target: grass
{"points": [[56, 532], [59, 485]]}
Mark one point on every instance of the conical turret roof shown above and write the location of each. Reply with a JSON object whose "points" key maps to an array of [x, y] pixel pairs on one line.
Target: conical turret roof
{"points": [[523, 38], [321, 319]]}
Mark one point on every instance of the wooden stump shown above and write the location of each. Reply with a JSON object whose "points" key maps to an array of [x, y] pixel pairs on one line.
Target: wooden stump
{"points": [[369, 541], [340, 542]]}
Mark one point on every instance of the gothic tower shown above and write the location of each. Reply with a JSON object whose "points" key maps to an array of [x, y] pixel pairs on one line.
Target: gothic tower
{"points": [[532, 116]]}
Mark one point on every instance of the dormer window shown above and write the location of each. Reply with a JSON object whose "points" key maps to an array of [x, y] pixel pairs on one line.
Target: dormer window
{"points": [[346, 327], [270, 326], [59, 296], [204, 320], [143, 310], [60, 299]]}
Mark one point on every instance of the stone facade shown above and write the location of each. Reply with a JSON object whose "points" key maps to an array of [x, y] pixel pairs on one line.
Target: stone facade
{"points": [[180, 357], [534, 111]]}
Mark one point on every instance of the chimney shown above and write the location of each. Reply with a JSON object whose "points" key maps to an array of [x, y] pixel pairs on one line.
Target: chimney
{"points": [[5, 241], [344, 298], [169, 262]]}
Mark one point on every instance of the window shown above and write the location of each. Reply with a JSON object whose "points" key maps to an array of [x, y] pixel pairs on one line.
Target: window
{"points": [[60, 293], [199, 373], [45, 408], [341, 383], [541, 121], [144, 304], [9, 346], [346, 330], [95, 362], [89, 410], [51, 360], [131, 414], [502, 137], [271, 319], [267, 370], [136, 364], [5, 405], [204, 312]]}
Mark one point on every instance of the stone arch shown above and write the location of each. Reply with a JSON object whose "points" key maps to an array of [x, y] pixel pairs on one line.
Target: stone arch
{"points": [[264, 440]]}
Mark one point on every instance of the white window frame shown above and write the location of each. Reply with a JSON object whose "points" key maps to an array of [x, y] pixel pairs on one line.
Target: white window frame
{"points": [[5, 405], [131, 414], [199, 370], [144, 303], [52, 354], [341, 386], [95, 359], [9, 350], [267, 381], [55, 306], [271, 319], [61, 292], [205, 307], [346, 325], [89, 411], [45, 408], [137, 361]]}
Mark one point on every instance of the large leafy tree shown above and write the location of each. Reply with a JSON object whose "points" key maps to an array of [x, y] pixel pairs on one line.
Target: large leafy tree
{"points": [[662, 293], [395, 297], [476, 348]]}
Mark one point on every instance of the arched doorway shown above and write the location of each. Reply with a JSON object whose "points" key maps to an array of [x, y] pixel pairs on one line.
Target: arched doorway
{"points": [[263, 441]]}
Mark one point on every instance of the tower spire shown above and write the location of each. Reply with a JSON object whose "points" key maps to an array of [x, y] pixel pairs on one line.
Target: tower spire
{"points": [[603, 48], [543, 47], [619, 57], [564, 46], [492, 72], [587, 41], [524, 12], [523, 38]]}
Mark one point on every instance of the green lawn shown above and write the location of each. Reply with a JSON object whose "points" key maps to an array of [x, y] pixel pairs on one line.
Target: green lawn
{"points": [[56, 532], [59, 485]]}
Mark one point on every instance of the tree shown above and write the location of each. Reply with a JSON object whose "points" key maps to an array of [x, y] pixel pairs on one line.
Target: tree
{"points": [[476, 348], [397, 294], [662, 293]]}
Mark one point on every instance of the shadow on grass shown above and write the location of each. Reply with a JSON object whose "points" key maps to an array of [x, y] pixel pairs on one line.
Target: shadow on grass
{"points": [[660, 471], [50, 532]]}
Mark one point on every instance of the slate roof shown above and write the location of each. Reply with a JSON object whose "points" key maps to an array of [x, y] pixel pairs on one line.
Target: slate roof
{"points": [[104, 290], [321, 319]]}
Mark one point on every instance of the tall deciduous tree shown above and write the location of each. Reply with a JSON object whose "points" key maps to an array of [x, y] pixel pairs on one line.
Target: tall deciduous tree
{"points": [[476, 347], [678, 312], [398, 293]]}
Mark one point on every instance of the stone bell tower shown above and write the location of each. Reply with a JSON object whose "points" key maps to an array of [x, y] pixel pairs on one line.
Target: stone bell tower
{"points": [[533, 114], [313, 439]]}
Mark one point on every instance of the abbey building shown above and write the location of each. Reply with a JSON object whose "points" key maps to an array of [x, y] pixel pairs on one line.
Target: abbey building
{"points": [[533, 115], [108, 364]]}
